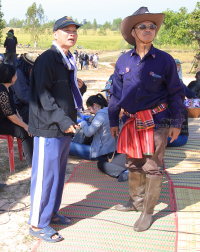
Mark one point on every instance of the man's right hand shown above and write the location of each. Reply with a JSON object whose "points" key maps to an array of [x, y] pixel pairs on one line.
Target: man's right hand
{"points": [[114, 131], [71, 129]]}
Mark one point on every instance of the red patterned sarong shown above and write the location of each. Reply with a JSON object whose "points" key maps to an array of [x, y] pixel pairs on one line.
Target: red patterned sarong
{"points": [[137, 135]]}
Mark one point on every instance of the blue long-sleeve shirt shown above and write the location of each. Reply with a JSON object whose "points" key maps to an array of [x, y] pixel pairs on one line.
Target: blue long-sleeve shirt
{"points": [[144, 84]]}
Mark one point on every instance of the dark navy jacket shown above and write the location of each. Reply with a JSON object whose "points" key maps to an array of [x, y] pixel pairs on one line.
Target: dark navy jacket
{"points": [[51, 108], [144, 84]]}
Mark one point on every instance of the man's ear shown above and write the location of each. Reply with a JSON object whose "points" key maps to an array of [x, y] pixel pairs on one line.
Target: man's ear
{"points": [[133, 32], [55, 35]]}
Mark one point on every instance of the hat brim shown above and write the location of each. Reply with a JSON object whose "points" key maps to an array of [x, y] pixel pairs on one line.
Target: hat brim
{"points": [[67, 24], [105, 90], [129, 22], [30, 59]]}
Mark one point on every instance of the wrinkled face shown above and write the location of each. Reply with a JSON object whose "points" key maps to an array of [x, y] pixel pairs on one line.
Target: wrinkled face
{"points": [[146, 35], [66, 37]]}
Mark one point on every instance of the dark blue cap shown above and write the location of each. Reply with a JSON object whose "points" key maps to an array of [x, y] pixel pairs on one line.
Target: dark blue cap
{"points": [[63, 22]]}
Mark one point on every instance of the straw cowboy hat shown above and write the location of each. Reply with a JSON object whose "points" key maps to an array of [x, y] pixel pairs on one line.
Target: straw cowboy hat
{"points": [[30, 57], [142, 14]]}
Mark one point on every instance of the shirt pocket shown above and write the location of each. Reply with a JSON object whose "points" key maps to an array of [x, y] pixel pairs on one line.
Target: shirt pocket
{"points": [[153, 82], [125, 73]]}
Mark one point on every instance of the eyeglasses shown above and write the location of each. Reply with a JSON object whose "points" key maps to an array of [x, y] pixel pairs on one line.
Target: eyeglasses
{"points": [[70, 32], [144, 27]]}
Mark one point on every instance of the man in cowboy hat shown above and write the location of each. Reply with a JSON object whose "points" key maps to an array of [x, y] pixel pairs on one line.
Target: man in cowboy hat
{"points": [[147, 87]]}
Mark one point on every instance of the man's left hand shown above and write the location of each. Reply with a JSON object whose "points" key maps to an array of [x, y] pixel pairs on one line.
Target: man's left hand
{"points": [[80, 83], [174, 133]]}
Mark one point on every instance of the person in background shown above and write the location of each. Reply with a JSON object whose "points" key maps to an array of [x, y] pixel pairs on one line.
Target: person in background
{"points": [[10, 45], [102, 144], [10, 123], [194, 86], [179, 68], [12, 31], [95, 60], [146, 85], [54, 101], [80, 59], [91, 59], [84, 58], [21, 87], [188, 93]]}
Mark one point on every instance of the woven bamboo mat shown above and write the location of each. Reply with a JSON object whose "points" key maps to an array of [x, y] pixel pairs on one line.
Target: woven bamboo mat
{"points": [[89, 199], [183, 167]]}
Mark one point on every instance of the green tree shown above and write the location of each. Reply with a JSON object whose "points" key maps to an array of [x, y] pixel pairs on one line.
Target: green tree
{"points": [[2, 24], [175, 28], [102, 31], [34, 20], [94, 25], [107, 25], [116, 25], [88, 25], [16, 23], [194, 22]]}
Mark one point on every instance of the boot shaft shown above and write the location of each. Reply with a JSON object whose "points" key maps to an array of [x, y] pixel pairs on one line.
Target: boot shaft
{"points": [[152, 193]]}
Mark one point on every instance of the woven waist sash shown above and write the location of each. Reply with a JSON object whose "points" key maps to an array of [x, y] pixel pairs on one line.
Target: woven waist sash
{"points": [[137, 135]]}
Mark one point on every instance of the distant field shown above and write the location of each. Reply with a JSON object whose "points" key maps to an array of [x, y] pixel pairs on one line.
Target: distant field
{"points": [[113, 41], [93, 41]]}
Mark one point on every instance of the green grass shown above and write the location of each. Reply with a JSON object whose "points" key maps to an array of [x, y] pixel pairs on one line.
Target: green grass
{"points": [[92, 40]]}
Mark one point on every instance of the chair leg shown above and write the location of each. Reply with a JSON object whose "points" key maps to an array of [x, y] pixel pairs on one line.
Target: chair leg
{"points": [[20, 151], [11, 153]]}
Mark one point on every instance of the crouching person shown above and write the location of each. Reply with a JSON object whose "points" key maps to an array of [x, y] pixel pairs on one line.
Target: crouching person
{"points": [[146, 85]]}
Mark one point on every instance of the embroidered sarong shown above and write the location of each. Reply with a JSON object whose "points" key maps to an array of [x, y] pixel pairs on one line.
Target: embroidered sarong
{"points": [[137, 135]]}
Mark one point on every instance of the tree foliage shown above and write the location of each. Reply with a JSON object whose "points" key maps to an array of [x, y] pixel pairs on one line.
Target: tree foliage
{"points": [[2, 24], [16, 23], [34, 20], [94, 25], [175, 28], [116, 25]]}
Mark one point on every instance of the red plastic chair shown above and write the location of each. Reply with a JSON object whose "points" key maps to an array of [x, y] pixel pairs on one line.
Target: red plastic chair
{"points": [[10, 140]]}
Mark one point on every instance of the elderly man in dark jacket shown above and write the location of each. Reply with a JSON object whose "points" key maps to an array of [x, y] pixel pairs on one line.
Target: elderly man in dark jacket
{"points": [[54, 100]]}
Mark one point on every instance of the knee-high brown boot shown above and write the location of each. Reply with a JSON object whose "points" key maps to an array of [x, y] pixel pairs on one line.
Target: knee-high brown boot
{"points": [[152, 194], [137, 192]]}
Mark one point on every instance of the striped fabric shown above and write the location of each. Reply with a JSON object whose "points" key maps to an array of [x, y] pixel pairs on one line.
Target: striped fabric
{"points": [[137, 136]]}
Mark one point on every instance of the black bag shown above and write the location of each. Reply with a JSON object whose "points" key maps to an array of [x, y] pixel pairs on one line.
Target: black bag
{"points": [[80, 137]]}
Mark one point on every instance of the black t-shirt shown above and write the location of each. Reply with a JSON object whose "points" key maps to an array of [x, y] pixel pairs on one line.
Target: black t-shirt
{"points": [[10, 45], [7, 106], [195, 87]]}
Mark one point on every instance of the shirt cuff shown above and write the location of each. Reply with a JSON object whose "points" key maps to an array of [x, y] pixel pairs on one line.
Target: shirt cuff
{"points": [[176, 123], [114, 123]]}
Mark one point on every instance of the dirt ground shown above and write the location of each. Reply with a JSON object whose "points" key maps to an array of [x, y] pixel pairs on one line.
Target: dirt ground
{"points": [[15, 197]]}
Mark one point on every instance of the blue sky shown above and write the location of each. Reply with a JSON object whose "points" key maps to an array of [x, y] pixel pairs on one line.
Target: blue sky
{"points": [[102, 10]]}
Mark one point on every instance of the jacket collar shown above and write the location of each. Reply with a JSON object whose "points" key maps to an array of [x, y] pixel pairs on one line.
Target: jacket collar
{"points": [[58, 56]]}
